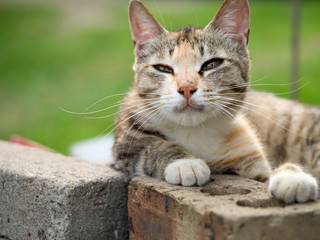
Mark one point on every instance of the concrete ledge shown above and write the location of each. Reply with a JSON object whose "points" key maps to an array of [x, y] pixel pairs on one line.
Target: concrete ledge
{"points": [[49, 196], [229, 207]]}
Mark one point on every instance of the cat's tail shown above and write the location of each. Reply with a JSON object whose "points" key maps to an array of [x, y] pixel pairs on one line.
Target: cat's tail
{"points": [[94, 150]]}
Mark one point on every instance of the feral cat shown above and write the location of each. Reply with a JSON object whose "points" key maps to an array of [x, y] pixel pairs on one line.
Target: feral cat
{"points": [[182, 120]]}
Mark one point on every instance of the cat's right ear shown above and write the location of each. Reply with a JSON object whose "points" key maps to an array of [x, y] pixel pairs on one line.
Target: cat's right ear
{"points": [[144, 27]]}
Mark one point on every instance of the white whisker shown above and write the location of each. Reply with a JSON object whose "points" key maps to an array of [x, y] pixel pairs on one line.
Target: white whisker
{"points": [[274, 121], [131, 116], [150, 117], [102, 99], [104, 109], [124, 109]]}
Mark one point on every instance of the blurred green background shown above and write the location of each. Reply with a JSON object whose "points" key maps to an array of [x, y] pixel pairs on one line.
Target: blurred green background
{"points": [[70, 54]]}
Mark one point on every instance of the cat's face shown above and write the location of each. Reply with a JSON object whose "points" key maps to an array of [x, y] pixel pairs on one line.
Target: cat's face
{"points": [[192, 75]]}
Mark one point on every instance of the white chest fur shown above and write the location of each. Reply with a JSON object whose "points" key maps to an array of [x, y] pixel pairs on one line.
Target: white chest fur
{"points": [[202, 141]]}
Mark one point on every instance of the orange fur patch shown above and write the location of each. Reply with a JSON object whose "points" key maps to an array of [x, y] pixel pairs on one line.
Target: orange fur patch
{"points": [[231, 161], [234, 147], [234, 134]]}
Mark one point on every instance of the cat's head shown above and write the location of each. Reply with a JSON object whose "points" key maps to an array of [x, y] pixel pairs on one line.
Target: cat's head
{"points": [[192, 75]]}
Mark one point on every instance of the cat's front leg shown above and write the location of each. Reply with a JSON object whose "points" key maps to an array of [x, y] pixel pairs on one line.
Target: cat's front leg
{"points": [[172, 163], [241, 152], [289, 183], [251, 165]]}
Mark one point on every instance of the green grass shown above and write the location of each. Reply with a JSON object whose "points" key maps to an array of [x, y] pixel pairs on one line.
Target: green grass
{"points": [[46, 64]]}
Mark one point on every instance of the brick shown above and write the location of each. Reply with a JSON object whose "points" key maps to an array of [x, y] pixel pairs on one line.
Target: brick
{"points": [[45, 195], [227, 208]]}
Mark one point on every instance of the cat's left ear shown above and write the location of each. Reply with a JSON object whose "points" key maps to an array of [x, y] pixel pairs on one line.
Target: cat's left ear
{"points": [[144, 27], [233, 19]]}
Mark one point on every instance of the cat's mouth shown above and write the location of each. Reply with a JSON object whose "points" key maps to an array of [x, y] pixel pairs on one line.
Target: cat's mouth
{"points": [[190, 107]]}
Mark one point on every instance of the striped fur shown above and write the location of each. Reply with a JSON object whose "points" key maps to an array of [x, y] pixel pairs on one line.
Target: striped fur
{"points": [[166, 133], [289, 130]]}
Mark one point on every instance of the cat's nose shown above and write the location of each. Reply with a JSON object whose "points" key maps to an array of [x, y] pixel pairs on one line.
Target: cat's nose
{"points": [[187, 91]]}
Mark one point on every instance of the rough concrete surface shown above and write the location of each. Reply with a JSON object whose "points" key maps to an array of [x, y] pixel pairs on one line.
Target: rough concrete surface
{"points": [[45, 195], [228, 207]]}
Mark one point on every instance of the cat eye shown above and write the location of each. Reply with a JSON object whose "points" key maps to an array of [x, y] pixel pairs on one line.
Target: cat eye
{"points": [[163, 68], [211, 64]]}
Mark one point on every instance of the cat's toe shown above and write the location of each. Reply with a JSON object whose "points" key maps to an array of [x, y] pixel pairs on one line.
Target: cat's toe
{"points": [[308, 189], [187, 172], [172, 175], [292, 187]]}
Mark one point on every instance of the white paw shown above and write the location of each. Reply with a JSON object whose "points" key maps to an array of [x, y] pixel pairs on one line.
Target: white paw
{"points": [[293, 187], [187, 172]]}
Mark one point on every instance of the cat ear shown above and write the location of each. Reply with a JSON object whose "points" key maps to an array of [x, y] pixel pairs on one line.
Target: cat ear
{"points": [[233, 18], [144, 26]]}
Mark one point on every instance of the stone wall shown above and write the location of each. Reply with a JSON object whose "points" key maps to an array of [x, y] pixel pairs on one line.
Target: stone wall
{"points": [[45, 195]]}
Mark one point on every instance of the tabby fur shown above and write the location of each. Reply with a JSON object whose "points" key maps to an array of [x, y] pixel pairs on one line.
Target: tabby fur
{"points": [[184, 118]]}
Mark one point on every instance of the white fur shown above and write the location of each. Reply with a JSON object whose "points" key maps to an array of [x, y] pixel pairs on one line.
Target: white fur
{"points": [[187, 172], [94, 150], [204, 140], [201, 141], [176, 112], [292, 187]]}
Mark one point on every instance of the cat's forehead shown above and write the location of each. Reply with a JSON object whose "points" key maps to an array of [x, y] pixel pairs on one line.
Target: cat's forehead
{"points": [[192, 37], [189, 41], [188, 34]]}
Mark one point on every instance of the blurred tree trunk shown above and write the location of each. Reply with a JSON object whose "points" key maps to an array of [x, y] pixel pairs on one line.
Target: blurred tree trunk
{"points": [[295, 49]]}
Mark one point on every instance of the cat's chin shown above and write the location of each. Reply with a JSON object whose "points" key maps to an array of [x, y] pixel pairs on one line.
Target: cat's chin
{"points": [[188, 117], [191, 108]]}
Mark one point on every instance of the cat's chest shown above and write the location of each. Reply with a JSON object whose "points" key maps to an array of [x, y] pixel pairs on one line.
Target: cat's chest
{"points": [[202, 142]]}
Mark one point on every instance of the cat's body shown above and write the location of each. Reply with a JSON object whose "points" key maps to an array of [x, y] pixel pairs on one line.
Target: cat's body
{"points": [[290, 131], [182, 119]]}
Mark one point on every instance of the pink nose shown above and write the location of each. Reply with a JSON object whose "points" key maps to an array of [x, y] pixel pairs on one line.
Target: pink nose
{"points": [[187, 91]]}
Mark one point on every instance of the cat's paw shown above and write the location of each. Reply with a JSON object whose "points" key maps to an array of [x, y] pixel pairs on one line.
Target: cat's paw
{"points": [[291, 187], [187, 172]]}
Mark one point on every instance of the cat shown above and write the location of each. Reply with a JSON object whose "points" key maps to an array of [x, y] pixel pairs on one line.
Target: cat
{"points": [[183, 119]]}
